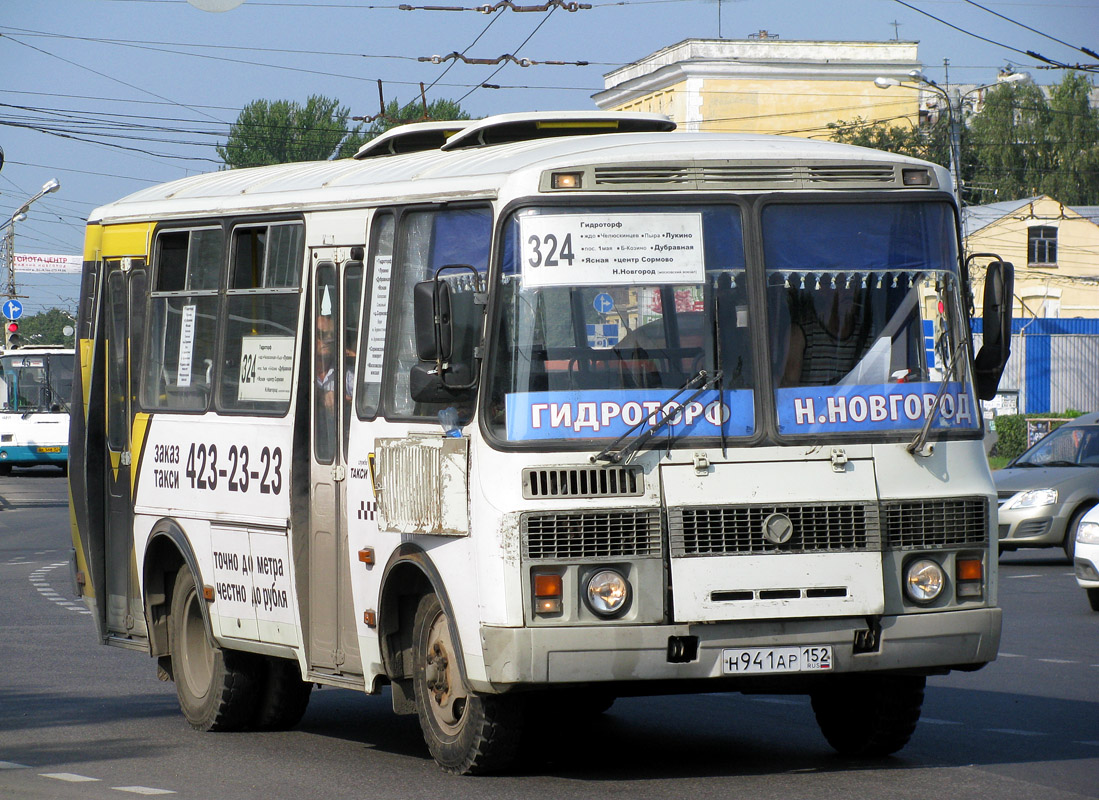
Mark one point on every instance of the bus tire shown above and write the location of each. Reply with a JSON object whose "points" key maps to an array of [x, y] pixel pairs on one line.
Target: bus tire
{"points": [[216, 688], [869, 715], [283, 695], [466, 733]]}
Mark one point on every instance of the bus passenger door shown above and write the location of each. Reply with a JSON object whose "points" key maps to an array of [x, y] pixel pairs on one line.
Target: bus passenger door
{"points": [[125, 290], [336, 290]]}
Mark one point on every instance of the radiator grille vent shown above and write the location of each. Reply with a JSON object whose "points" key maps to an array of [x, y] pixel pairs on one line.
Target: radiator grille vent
{"points": [[935, 523], [591, 534], [583, 482], [731, 530]]}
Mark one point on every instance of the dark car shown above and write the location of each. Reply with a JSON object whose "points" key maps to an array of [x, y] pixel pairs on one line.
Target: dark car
{"points": [[1046, 491]]}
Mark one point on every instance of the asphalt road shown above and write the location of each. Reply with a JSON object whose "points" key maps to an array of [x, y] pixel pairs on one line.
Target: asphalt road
{"points": [[82, 721]]}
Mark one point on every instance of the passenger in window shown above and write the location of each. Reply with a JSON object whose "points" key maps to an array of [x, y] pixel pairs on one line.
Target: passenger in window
{"points": [[828, 335], [324, 376]]}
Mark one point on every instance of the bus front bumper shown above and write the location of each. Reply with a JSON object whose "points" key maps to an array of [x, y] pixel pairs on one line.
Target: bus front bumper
{"points": [[932, 641]]}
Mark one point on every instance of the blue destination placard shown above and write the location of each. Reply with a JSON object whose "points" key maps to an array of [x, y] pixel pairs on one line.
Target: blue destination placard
{"points": [[585, 414], [876, 407]]}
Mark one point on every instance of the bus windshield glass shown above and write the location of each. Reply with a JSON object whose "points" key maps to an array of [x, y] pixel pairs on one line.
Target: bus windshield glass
{"points": [[609, 312], [617, 319], [37, 381], [865, 318]]}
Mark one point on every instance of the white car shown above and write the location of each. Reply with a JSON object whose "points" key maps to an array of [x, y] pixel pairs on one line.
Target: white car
{"points": [[1086, 557]]}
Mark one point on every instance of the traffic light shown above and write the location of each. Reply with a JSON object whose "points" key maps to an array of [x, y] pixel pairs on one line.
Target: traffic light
{"points": [[13, 335]]}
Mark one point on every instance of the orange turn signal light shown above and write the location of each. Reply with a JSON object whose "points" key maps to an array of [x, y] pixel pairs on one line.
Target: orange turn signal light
{"points": [[547, 593], [969, 569]]}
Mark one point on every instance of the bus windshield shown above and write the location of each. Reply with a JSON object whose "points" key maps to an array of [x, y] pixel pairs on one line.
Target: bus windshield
{"points": [[866, 317], [616, 318], [37, 381]]}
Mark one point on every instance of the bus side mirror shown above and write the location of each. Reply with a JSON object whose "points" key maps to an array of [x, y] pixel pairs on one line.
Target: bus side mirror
{"points": [[996, 348], [446, 324]]}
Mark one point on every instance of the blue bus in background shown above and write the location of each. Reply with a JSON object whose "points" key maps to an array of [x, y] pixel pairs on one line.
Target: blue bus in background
{"points": [[35, 392]]}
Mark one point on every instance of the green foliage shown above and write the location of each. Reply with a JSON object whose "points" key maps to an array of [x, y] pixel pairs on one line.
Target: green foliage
{"points": [[1019, 145], [284, 131], [1011, 432], [930, 144], [46, 328]]}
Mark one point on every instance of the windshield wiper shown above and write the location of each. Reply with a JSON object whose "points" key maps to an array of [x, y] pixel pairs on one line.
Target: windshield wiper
{"points": [[702, 379], [917, 446]]}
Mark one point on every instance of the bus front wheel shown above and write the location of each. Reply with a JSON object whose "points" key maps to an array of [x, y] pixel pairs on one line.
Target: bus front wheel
{"points": [[869, 715], [216, 688], [466, 733]]}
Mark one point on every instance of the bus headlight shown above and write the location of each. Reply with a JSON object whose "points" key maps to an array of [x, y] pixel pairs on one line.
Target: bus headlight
{"points": [[923, 580], [607, 592]]}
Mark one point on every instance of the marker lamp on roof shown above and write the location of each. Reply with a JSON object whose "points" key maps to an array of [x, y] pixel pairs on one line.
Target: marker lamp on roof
{"points": [[567, 180], [915, 177]]}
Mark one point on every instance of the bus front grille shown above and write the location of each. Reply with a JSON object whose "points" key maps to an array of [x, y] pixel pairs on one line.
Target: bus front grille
{"points": [[941, 522], [582, 482], [608, 533], [740, 530]]}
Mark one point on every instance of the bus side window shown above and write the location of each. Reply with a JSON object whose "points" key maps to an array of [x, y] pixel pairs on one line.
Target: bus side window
{"points": [[260, 317], [182, 319], [430, 240], [376, 303]]}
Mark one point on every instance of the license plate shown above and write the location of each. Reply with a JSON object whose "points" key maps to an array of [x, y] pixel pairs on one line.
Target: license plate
{"points": [[49, 449], [756, 660]]}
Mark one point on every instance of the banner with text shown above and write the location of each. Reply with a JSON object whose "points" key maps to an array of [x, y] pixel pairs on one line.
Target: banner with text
{"points": [[36, 263]]}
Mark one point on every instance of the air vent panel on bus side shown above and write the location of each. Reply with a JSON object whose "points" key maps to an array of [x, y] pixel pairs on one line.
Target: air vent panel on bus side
{"points": [[544, 483]]}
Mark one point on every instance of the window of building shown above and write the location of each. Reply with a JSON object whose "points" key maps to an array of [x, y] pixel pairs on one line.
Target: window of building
{"points": [[1042, 245]]}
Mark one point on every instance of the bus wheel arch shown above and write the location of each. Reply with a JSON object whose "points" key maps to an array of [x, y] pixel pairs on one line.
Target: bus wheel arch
{"points": [[409, 575], [167, 551]]}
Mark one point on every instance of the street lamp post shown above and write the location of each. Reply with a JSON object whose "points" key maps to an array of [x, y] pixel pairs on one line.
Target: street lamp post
{"points": [[52, 185], [954, 104]]}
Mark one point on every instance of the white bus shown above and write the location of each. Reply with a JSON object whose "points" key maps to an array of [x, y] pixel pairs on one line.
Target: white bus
{"points": [[540, 408], [35, 389]]}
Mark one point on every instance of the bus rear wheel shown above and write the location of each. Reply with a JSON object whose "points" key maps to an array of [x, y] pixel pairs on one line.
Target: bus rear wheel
{"points": [[283, 695], [869, 715], [466, 733], [217, 688]]}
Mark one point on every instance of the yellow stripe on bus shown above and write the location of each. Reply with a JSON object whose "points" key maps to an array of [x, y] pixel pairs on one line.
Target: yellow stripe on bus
{"points": [[137, 445], [115, 241]]}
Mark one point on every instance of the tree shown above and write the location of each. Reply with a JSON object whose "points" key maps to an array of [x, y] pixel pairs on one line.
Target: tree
{"points": [[1008, 144], [47, 327], [284, 131], [930, 144], [1073, 135]]}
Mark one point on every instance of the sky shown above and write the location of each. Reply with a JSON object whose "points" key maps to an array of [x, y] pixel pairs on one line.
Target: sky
{"points": [[111, 96]]}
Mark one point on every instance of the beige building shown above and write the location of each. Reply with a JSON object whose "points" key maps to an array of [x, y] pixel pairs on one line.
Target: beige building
{"points": [[1055, 250], [767, 85]]}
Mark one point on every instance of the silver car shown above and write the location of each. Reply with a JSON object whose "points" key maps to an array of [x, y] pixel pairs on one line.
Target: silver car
{"points": [[1045, 492]]}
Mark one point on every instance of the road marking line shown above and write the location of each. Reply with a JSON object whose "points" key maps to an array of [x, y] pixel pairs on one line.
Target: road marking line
{"points": [[141, 790], [1090, 744], [778, 701], [1035, 575], [12, 765], [1011, 655], [930, 721], [1057, 661], [68, 777], [1015, 732]]}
